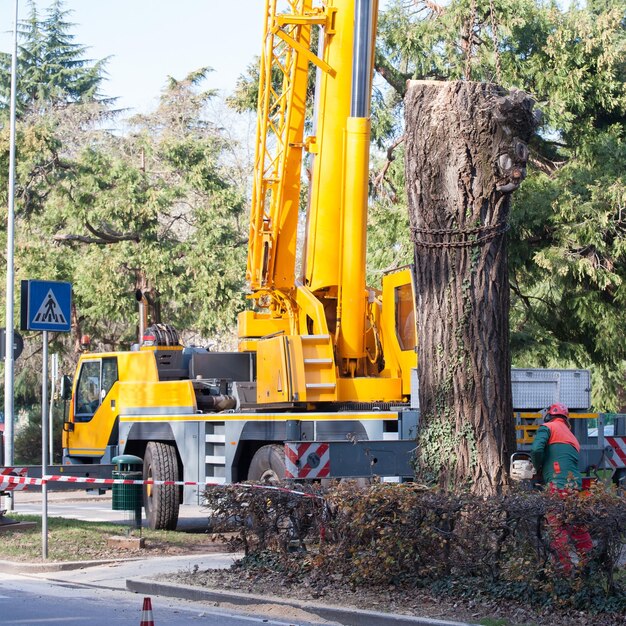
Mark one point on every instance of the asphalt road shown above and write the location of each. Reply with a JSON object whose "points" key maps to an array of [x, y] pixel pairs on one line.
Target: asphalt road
{"points": [[28, 602]]}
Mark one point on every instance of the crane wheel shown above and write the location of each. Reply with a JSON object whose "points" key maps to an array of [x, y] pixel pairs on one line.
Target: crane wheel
{"points": [[268, 465], [161, 502]]}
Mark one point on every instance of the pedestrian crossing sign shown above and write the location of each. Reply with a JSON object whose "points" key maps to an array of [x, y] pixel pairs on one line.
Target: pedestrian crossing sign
{"points": [[46, 305]]}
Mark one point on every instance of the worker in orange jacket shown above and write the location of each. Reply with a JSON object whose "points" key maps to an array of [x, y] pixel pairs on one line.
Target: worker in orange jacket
{"points": [[555, 455]]}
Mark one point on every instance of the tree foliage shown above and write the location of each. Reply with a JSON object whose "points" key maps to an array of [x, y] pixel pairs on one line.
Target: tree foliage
{"points": [[158, 206], [567, 237], [53, 69], [115, 213]]}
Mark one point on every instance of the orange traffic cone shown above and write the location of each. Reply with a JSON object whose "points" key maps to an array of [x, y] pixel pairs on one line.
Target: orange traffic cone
{"points": [[146, 613]]}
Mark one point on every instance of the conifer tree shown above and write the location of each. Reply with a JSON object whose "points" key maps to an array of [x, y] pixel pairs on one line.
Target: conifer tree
{"points": [[52, 68], [567, 240], [112, 213]]}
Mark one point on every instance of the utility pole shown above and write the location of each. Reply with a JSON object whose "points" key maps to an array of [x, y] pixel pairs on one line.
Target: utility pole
{"points": [[9, 361]]}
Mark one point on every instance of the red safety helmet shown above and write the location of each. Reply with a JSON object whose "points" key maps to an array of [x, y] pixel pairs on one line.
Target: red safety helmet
{"points": [[557, 410]]}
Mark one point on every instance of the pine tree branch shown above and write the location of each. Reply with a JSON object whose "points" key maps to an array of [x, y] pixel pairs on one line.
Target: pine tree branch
{"points": [[111, 236], [100, 238], [397, 80], [525, 298], [66, 238]]}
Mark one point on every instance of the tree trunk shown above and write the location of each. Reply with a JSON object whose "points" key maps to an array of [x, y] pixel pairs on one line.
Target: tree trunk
{"points": [[465, 153]]}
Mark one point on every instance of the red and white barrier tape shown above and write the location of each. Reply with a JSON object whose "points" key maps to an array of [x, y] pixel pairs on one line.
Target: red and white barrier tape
{"points": [[12, 471], [23, 480]]}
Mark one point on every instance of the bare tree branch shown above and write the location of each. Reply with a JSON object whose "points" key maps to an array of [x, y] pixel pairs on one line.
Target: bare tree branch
{"points": [[437, 9], [390, 158], [543, 164], [426, 5]]}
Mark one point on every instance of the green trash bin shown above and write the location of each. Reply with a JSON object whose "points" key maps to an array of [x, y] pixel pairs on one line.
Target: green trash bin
{"points": [[128, 497]]}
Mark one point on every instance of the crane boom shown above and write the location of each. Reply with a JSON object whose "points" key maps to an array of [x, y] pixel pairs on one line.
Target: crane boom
{"points": [[278, 155], [329, 299]]}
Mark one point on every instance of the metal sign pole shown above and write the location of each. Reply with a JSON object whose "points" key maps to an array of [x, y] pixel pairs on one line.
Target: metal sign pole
{"points": [[9, 360], [44, 448], [54, 375]]}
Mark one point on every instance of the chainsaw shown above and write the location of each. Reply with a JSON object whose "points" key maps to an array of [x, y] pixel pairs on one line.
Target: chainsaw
{"points": [[521, 467]]}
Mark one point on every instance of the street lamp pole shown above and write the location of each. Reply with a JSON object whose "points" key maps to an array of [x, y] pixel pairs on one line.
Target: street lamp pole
{"points": [[9, 361]]}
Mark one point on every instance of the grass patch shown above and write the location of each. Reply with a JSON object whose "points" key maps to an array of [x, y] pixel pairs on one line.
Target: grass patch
{"points": [[77, 540]]}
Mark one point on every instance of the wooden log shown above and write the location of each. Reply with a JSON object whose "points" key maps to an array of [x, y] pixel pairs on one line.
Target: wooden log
{"points": [[466, 152]]}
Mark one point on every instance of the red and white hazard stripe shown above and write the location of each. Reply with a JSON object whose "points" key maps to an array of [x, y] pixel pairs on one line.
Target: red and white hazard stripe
{"points": [[13, 472], [291, 460], [618, 460], [307, 460]]}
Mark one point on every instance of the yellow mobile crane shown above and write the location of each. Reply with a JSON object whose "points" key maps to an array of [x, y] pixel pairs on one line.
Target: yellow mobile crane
{"points": [[324, 383], [321, 357]]}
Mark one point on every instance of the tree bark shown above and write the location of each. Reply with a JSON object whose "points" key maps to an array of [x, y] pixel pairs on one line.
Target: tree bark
{"points": [[466, 153]]}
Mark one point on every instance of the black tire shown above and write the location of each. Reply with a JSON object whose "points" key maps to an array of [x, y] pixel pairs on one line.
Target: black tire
{"points": [[268, 465], [161, 502]]}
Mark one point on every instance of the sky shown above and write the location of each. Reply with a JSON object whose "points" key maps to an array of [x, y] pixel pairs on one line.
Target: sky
{"points": [[148, 40]]}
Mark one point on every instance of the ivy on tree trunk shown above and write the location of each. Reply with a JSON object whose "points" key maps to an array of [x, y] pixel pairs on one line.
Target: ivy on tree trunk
{"points": [[466, 153]]}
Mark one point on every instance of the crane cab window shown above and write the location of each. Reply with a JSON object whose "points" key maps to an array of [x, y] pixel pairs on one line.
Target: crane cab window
{"points": [[405, 317], [95, 380], [109, 375]]}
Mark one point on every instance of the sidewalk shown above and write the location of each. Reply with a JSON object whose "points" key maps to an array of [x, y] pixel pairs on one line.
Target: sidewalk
{"points": [[30, 496], [114, 573], [91, 506]]}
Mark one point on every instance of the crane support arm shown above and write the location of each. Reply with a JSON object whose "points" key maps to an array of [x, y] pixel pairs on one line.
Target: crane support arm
{"points": [[281, 112]]}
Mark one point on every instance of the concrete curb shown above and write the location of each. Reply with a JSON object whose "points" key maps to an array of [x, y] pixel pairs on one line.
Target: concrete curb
{"points": [[346, 617]]}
